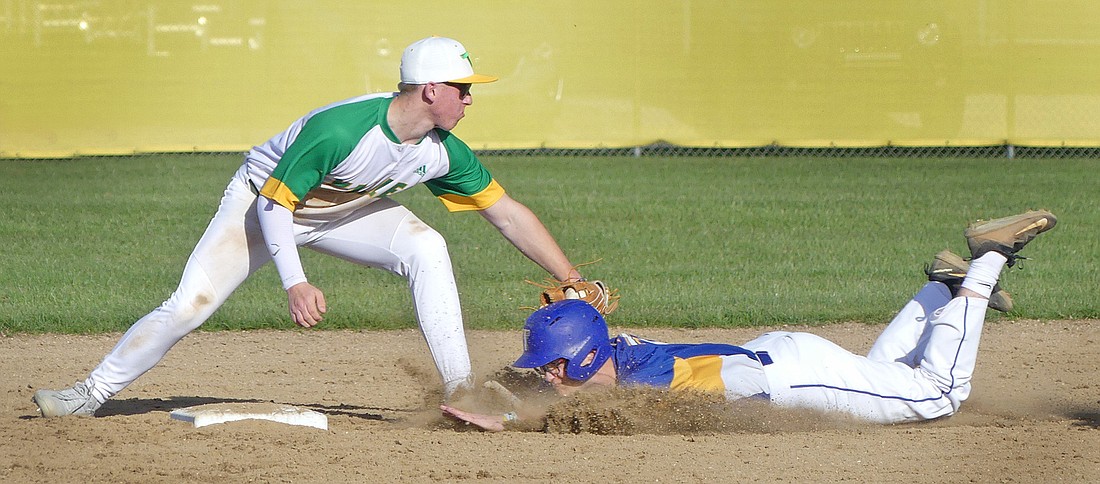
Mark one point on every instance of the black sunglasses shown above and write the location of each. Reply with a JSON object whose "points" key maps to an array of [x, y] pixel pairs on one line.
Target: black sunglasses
{"points": [[463, 88]]}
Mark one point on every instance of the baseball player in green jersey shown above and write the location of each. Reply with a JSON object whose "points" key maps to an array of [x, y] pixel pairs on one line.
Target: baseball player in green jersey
{"points": [[324, 184]]}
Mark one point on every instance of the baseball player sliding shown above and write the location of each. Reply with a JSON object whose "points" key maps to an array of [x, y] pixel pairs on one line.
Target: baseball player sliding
{"points": [[918, 369], [324, 184]]}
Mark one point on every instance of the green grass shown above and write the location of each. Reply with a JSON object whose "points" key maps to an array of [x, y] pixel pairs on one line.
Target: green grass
{"points": [[93, 244]]}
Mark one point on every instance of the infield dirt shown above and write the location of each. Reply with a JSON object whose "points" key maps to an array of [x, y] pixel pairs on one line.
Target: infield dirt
{"points": [[1034, 416]]}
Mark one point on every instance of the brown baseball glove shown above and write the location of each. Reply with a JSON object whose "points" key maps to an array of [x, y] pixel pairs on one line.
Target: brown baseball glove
{"points": [[596, 293]]}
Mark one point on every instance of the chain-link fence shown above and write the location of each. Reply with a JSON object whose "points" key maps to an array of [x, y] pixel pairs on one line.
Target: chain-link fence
{"points": [[1001, 151], [668, 150]]}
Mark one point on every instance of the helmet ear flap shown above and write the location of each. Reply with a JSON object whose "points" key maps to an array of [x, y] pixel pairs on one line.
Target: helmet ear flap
{"points": [[578, 370]]}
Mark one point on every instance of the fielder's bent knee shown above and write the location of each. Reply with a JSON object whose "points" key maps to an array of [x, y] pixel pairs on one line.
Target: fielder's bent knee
{"points": [[420, 240]]}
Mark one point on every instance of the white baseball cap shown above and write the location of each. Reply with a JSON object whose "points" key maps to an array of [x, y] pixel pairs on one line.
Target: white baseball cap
{"points": [[438, 59]]}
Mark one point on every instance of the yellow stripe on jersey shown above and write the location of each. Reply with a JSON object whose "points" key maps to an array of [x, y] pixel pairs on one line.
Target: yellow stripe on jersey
{"points": [[280, 193], [479, 201], [702, 373]]}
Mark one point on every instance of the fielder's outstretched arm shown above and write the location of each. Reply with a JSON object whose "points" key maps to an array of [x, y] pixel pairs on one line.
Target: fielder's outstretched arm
{"points": [[523, 229]]}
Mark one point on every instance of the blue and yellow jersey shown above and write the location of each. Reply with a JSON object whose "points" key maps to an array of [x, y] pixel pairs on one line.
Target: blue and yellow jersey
{"points": [[346, 151], [709, 367]]}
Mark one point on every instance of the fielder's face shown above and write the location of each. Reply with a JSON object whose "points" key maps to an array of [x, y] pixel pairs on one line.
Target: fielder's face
{"points": [[448, 102]]}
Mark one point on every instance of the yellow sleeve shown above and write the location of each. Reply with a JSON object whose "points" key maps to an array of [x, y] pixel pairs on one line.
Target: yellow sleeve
{"points": [[478, 201], [280, 193]]}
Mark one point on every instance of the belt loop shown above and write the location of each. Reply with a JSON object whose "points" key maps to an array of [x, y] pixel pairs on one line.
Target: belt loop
{"points": [[764, 358]]}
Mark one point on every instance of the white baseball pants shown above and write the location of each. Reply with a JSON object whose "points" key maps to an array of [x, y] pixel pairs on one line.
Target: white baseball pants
{"points": [[918, 369], [382, 234]]}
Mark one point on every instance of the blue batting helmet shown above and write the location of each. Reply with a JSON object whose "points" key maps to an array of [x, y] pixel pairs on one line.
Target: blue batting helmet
{"points": [[569, 329]]}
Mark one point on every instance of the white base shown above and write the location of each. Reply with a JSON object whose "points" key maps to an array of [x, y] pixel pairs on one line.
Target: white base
{"points": [[217, 413]]}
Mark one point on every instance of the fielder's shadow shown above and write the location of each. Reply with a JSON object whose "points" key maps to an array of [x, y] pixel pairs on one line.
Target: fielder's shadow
{"points": [[139, 406]]}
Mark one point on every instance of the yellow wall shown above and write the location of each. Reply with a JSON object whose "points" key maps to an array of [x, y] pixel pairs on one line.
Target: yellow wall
{"points": [[122, 76]]}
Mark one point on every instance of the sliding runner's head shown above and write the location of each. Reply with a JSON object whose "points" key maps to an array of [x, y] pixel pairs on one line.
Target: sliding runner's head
{"points": [[565, 341]]}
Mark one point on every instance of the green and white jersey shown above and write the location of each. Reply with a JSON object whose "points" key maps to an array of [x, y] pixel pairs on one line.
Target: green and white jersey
{"points": [[346, 151]]}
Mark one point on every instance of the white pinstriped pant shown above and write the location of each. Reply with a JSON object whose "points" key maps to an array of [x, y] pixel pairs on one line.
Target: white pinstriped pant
{"points": [[918, 369]]}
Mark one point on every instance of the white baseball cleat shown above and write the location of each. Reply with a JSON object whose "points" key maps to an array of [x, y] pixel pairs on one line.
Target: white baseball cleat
{"points": [[76, 400]]}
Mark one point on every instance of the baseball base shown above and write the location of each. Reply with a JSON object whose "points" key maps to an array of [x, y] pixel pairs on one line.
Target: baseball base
{"points": [[203, 415]]}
